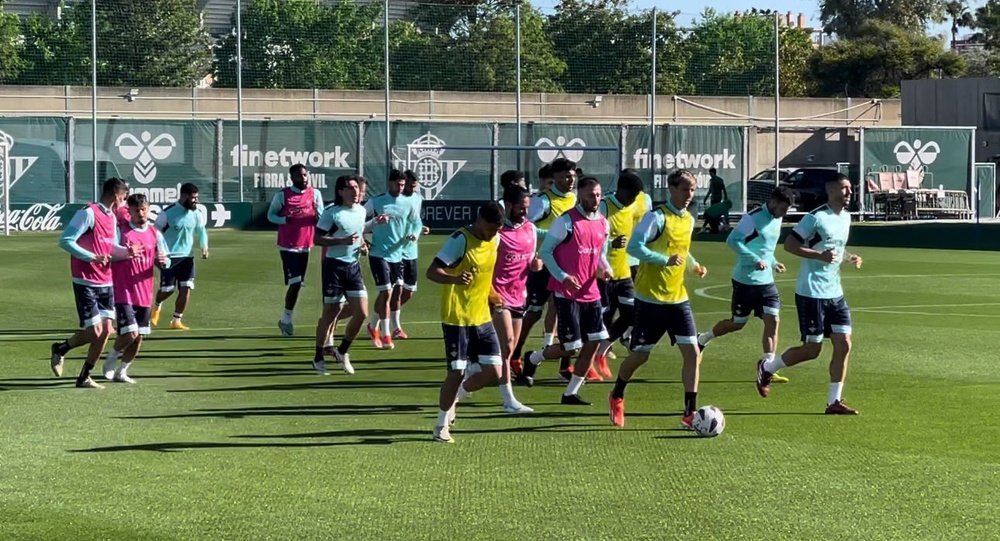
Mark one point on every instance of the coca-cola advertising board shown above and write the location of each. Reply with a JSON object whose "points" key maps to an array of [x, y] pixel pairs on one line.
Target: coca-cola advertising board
{"points": [[25, 217]]}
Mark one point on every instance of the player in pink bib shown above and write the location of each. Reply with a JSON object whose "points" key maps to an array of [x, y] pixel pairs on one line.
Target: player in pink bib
{"points": [[133, 287]]}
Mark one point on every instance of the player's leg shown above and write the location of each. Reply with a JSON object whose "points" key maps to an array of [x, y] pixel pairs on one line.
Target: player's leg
{"points": [[811, 330], [185, 284], [378, 328], [408, 288], [333, 294], [538, 296], [650, 326], [683, 332], [570, 341], [456, 343], [128, 332], [168, 285], [395, 304], [294, 265], [838, 316], [504, 323], [484, 345], [593, 333], [741, 306], [142, 315], [88, 314], [101, 331], [769, 312], [357, 299]]}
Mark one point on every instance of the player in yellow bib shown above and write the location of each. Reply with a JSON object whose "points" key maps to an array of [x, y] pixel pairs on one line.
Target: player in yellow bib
{"points": [[464, 268], [662, 243]]}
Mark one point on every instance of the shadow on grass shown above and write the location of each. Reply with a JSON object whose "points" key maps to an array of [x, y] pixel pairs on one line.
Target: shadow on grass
{"points": [[42, 383], [326, 383], [291, 411], [375, 436]]}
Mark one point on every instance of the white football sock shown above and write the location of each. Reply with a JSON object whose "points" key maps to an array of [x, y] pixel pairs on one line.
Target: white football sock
{"points": [[443, 417], [329, 341], [287, 316], [112, 356], [123, 368], [536, 357], [835, 390], [768, 357], [383, 326], [462, 393], [775, 364], [548, 339], [507, 393], [395, 320], [705, 337], [573, 387]]}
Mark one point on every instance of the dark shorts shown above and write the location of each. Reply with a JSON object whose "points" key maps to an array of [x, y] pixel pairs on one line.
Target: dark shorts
{"points": [[653, 320], [758, 300], [579, 323], [93, 304], [516, 312], [180, 274], [538, 289], [819, 318], [616, 293], [410, 274], [294, 265], [132, 318], [463, 345], [387, 275], [342, 279]]}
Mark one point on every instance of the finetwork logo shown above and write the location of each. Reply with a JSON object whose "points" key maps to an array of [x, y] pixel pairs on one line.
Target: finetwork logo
{"points": [[145, 150], [916, 155], [547, 155], [423, 157]]}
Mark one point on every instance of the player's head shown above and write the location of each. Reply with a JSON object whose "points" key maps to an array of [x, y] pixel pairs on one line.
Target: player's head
{"points": [[488, 221], [138, 209], [711, 171], [411, 183], [563, 174], [512, 177], [347, 191], [681, 185], [189, 196], [780, 200], [588, 194], [395, 183], [631, 171], [545, 177], [838, 190], [114, 191], [516, 200], [362, 187], [299, 175], [629, 186]]}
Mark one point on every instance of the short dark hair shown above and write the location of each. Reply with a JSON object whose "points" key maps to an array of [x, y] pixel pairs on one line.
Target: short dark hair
{"points": [[113, 185], [396, 174], [838, 178], [296, 169], [510, 178], [137, 200], [631, 171], [675, 178], [545, 171], [630, 182], [341, 183], [562, 165], [491, 212], [514, 194], [586, 182], [361, 180], [188, 188], [410, 176], [782, 194], [711, 170]]}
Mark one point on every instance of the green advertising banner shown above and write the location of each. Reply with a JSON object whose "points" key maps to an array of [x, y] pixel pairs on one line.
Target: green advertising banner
{"points": [[154, 156], [25, 217], [443, 173], [986, 184], [547, 138], [944, 153], [329, 149], [696, 148], [37, 159]]}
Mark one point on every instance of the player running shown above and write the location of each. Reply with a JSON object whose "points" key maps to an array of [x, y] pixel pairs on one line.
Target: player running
{"points": [[133, 287], [295, 210], [754, 293], [662, 243], [180, 222], [402, 293], [820, 239], [464, 268]]}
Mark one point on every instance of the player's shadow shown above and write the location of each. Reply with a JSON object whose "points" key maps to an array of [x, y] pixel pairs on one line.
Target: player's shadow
{"points": [[376, 436], [35, 332], [290, 411], [557, 427], [321, 384], [40, 383]]}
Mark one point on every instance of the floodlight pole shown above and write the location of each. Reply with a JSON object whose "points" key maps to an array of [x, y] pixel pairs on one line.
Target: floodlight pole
{"points": [[385, 54], [777, 98], [93, 91], [239, 93], [517, 104], [652, 112]]}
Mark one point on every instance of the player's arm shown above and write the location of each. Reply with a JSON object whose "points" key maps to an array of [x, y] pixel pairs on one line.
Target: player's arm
{"points": [[162, 252], [737, 239], [81, 222], [853, 258], [649, 228], [603, 265], [538, 209], [121, 253], [325, 230], [274, 210], [692, 264], [796, 243], [451, 254], [202, 233], [560, 231], [162, 223], [318, 203]]}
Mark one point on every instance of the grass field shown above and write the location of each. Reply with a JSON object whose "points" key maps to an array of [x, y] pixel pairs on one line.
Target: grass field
{"points": [[230, 434]]}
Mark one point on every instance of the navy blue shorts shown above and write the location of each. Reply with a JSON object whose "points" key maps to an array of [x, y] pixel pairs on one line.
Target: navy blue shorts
{"points": [[617, 293], [653, 320], [93, 304], [475, 344], [819, 318], [409, 270], [342, 279], [538, 289], [386, 274], [293, 266], [579, 323], [132, 318], [180, 274], [758, 300]]}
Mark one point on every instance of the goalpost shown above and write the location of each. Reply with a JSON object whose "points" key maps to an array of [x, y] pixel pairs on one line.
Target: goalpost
{"points": [[6, 142]]}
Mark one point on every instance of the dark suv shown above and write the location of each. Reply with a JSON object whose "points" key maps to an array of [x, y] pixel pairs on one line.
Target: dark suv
{"points": [[808, 183]]}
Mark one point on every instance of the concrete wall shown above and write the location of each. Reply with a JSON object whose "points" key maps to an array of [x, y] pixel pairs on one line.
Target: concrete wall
{"points": [[453, 106], [954, 102]]}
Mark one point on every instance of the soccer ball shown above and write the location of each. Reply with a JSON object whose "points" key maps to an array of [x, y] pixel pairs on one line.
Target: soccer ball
{"points": [[709, 421]]}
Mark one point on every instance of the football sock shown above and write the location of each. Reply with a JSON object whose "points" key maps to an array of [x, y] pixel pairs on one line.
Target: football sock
{"points": [[123, 368], [395, 320], [690, 402], [548, 339], [835, 391], [705, 337], [619, 390], [84, 373], [442, 418], [319, 354], [775, 364], [573, 387], [345, 345], [507, 393], [768, 357], [287, 316], [383, 327], [536, 357], [178, 316], [63, 348]]}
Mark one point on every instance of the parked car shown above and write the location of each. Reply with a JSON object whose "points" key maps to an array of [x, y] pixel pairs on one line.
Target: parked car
{"points": [[807, 183]]}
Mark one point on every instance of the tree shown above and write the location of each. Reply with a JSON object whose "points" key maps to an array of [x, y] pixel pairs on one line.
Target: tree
{"points": [[734, 55], [55, 52], [873, 64], [11, 62], [958, 12], [846, 18]]}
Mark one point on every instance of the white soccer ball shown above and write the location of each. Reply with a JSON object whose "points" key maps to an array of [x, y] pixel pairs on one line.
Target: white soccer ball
{"points": [[709, 421]]}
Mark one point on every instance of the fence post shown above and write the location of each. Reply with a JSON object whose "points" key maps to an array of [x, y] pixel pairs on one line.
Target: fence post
{"points": [[71, 160], [219, 153]]}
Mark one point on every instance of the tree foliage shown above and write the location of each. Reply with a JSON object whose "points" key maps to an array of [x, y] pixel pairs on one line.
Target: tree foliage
{"points": [[847, 18]]}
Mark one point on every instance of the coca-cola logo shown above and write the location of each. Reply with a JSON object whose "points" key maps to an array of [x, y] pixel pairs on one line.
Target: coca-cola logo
{"points": [[37, 217]]}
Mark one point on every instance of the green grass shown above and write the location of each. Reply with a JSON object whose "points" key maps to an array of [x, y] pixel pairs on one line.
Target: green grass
{"points": [[230, 434]]}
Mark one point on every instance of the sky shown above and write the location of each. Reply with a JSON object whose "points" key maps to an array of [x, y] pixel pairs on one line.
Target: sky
{"points": [[690, 9]]}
